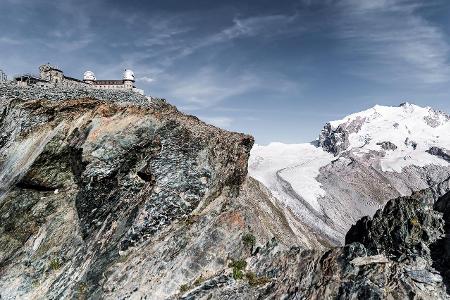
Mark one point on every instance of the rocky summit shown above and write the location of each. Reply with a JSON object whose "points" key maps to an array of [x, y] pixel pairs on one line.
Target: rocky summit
{"points": [[113, 195]]}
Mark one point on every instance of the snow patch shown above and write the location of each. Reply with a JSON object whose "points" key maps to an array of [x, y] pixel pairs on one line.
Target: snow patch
{"points": [[297, 164], [413, 129]]}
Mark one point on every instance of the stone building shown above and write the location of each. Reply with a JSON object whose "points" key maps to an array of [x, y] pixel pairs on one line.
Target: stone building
{"points": [[3, 76], [52, 76]]}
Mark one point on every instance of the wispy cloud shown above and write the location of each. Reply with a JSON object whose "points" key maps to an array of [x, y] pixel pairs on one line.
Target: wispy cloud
{"points": [[170, 40], [262, 26], [222, 122], [209, 86], [395, 42], [10, 41], [145, 79]]}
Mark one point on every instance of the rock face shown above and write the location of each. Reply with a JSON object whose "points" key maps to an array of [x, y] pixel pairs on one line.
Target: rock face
{"points": [[333, 140], [404, 228], [440, 251], [83, 180], [368, 267], [131, 199]]}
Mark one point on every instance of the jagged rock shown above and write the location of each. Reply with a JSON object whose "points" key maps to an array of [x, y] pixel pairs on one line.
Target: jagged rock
{"points": [[387, 145], [375, 259], [444, 154], [440, 250], [333, 140], [83, 180], [405, 227], [352, 271]]}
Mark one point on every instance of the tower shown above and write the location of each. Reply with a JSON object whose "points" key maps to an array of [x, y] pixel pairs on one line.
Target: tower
{"points": [[128, 79], [51, 73], [89, 77]]}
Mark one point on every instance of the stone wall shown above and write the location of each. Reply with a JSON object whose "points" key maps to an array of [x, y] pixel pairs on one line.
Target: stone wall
{"points": [[58, 93]]}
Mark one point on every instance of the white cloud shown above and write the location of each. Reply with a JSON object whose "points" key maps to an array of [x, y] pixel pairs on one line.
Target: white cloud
{"points": [[170, 39], [145, 79], [397, 44], [266, 26], [10, 41], [222, 122], [209, 86]]}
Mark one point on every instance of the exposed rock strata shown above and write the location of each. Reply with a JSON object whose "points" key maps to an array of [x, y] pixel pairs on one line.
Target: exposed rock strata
{"points": [[387, 257], [133, 199], [83, 180]]}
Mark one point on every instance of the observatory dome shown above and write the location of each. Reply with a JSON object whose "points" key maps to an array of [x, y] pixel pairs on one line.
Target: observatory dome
{"points": [[88, 75], [128, 75]]}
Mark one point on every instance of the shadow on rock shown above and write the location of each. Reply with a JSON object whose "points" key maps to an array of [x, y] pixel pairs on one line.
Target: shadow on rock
{"points": [[440, 250]]}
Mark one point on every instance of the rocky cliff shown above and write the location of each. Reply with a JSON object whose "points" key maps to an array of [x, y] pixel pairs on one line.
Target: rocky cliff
{"points": [[107, 195], [123, 197], [392, 256]]}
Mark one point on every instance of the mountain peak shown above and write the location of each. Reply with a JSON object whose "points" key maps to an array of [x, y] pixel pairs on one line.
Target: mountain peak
{"points": [[402, 135], [405, 104]]}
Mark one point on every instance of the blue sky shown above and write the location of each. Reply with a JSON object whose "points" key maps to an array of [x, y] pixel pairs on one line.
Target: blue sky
{"points": [[275, 69]]}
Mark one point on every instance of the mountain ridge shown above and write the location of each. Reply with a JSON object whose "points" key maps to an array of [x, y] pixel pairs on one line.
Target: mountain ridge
{"points": [[124, 199], [358, 163]]}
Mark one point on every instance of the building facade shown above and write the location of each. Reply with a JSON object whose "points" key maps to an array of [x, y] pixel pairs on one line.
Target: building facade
{"points": [[52, 76]]}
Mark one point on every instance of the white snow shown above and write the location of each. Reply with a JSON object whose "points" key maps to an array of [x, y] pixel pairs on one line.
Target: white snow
{"points": [[297, 164], [403, 126]]}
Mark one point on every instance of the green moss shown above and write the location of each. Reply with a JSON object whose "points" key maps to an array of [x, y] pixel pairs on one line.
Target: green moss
{"points": [[199, 280], [55, 264], [249, 240], [238, 266], [415, 222], [237, 274], [184, 288], [255, 280], [82, 291]]}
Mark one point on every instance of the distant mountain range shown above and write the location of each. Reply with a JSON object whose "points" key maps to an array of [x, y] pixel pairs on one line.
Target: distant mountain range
{"points": [[356, 165]]}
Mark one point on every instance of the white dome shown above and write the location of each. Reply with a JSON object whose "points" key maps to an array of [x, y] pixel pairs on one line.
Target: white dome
{"points": [[128, 75], [88, 75]]}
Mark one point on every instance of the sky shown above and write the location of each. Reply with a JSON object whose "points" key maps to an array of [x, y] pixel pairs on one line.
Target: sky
{"points": [[278, 70]]}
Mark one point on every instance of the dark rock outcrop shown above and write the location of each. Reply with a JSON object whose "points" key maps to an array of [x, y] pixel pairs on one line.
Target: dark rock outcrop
{"points": [[334, 140], [368, 267], [444, 154], [83, 180], [387, 145], [405, 227], [440, 250]]}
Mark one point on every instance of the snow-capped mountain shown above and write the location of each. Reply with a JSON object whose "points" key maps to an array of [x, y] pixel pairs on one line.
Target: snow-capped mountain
{"points": [[357, 164]]}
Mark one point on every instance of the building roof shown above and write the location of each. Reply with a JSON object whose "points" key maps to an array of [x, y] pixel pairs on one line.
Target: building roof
{"points": [[108, 82], [73, 79], [29, 76], [55, 69]]}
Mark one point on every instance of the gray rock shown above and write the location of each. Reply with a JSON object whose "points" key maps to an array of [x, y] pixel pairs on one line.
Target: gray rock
{"points": [[387, 145], [439, 152], [116, 196]]}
